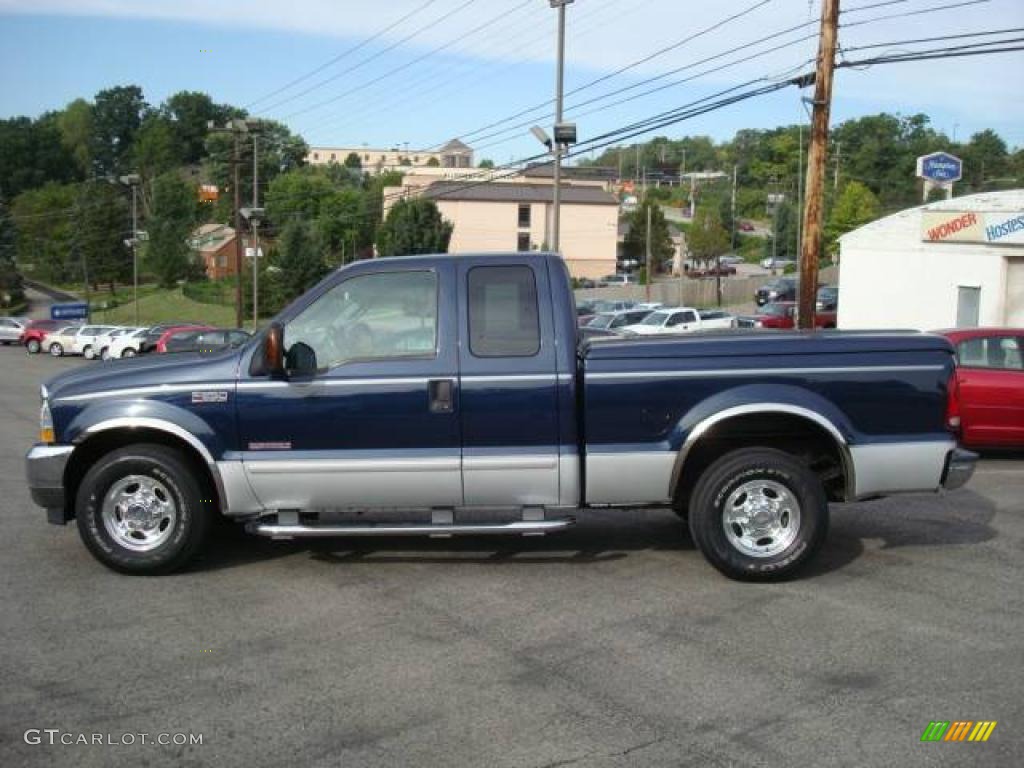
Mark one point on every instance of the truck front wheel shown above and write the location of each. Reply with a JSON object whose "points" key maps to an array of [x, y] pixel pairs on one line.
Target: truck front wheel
{"points": [[758, 514], [142, 510]]}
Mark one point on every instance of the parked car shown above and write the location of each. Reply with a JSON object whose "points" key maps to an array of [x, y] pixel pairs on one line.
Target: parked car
{"points": [[609, 280], [716, 319], [35, 334], [782, 314], [616, 321], [990, 379], [662, 321], [828, 299], [494, 408], [152, 336], [126, 345], [161, 343], [731, 260], [205, 340], [776, 263], [725, 270], [102, 344], [746, 226], [62, 341], [783, 289], [11, 329], [85, 340]]}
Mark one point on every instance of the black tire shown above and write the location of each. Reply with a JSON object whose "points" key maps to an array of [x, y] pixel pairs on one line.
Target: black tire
{"points": [[729, 473], [176, 474], [56, 350], [128, 352], [87, 352], [33, 347]]}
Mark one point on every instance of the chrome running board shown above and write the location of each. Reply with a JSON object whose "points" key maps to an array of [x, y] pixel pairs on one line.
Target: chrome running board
{"points": [[516, 528]]}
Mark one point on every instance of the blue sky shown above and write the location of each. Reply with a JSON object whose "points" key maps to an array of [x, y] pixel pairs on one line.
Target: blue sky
{"points": [[52, 51]]}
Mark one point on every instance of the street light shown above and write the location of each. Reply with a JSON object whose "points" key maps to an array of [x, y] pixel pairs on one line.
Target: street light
{"points": [[556, 215], [133, 180]]}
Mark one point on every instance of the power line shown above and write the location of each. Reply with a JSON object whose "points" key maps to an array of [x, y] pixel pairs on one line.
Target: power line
{"points": [[417, 60], [344, 54]]}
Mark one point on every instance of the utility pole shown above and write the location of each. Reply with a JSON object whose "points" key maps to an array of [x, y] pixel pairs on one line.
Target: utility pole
{"points": [[133, 180], [648, 256], [237, 163], [556, 214], [813, 209], [732, 216], [800, 190]]}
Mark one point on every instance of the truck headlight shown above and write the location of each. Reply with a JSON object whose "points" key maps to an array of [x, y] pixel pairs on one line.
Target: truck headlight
{"points": [[46, 424]]}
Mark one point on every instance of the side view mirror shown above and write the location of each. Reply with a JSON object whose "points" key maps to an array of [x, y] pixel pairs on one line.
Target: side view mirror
{"points": [[300, 360], [273, 350]]}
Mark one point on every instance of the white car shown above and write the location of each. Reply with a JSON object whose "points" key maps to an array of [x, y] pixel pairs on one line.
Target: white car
{"points": [[85, 339], [716, 319], [677, 320], [62, 340], [609, 280], [126, 345], [102, 344], [774, 263]]}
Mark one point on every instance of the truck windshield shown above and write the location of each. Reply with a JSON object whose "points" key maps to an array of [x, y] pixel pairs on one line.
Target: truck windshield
{"points": [[655, 318], [601, 321]]}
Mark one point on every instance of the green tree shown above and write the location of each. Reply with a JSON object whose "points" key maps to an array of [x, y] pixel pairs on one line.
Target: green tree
{"points": [[634, 246], [485, 163], [785, 228], [169, 227], [76, 129], [117, 117], [101, 220], [855, 207], [344, 226], [11, 291], [156, 152], [189, 113], [43, 219], [32, 154], [296, 263], [297, 194], [707, 239], [985, 157], [352, 161], [414, 226], [433, 163]]}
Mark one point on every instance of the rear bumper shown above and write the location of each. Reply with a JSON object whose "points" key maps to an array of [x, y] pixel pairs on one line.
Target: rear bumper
{"points": [[44, 469], [960, 466]]}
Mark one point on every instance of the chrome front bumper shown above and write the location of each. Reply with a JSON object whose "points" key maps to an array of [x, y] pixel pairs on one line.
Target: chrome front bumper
{"points": [[44, 468], [959, 468]]}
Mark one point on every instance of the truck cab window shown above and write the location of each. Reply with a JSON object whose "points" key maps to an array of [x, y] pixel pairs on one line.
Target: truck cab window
{"points": [[503, 316], [370, 317]]}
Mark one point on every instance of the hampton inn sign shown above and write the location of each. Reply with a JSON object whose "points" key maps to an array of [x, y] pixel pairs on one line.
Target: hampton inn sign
{"points": [[972, 227]]}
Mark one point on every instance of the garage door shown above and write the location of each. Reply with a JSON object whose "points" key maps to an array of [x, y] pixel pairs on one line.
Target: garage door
{"points": [[1014, 292]]}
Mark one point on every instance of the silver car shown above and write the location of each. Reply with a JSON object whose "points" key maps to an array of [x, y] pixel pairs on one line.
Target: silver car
{"points": [[11, 329]]}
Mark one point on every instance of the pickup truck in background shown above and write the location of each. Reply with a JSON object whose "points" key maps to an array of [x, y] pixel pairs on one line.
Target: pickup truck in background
{"points": [[447, 395]]}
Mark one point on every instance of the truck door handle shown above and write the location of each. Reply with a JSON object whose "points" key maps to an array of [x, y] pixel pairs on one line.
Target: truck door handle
{"points": [[440, 393]]}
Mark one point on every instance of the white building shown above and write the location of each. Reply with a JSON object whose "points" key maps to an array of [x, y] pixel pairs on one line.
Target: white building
{"points": [[954, 263]]}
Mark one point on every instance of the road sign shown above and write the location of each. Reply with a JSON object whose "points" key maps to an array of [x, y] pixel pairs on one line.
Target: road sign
{"points": [[940, 167], [75, 311]]}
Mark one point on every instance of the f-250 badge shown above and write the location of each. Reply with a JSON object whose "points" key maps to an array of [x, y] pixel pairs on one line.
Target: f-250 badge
{"points": [[219, 396]]}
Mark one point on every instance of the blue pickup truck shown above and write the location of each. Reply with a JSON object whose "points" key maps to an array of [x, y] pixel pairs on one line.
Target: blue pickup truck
{"points": [[442, 395]]}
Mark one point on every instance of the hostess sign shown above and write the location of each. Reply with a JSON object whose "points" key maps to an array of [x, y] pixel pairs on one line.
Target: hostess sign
{"points": [[1004, 228], [940, 167]]}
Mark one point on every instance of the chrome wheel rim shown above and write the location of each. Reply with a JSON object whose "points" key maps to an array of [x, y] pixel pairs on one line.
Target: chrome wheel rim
{"points": [[56, 350], [139, 513], [761, 518], [128, 353]]}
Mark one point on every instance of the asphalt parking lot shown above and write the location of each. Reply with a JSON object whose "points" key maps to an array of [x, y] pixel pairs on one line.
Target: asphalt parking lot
{"points": [[613, 644]]}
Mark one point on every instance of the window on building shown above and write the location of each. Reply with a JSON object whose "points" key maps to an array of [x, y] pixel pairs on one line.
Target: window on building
{"points": [[222, 260], [416, 158], [524, 215], [366, 158], [316, 155], [523, 241], [503, 316]]}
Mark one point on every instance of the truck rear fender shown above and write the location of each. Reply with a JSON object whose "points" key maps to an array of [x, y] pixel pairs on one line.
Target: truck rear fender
{"points": [[747, 415]]}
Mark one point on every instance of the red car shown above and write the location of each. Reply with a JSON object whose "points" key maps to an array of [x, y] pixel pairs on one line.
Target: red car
{"points": [[990, 379], [32, 337], [782, 314], [161, 343]]}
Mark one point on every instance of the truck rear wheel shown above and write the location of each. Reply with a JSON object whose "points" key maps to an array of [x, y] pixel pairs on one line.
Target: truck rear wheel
{"points": [[758, 514], [141, 510]]}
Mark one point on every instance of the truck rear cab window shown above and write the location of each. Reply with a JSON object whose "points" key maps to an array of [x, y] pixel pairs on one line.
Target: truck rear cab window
{"points": [[503, 317]]}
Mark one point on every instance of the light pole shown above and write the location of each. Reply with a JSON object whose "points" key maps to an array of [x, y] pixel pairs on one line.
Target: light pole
{"points": [[133, 180], [556, 214]]}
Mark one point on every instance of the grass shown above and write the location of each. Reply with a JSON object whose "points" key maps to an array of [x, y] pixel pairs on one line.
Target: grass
{"points": [[162, 305]]}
